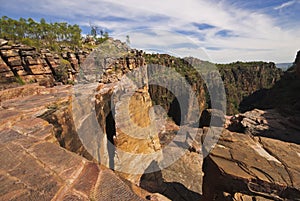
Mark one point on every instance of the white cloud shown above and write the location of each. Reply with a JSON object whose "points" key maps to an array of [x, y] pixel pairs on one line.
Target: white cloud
{"points": [[256, 35], [286, 4]]}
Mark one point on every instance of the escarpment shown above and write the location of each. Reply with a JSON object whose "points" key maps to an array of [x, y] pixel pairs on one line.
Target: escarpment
{"points": [[283, 95]]}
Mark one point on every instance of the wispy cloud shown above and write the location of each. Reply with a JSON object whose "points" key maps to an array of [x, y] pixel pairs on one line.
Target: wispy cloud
{"points": [[284, 5]]}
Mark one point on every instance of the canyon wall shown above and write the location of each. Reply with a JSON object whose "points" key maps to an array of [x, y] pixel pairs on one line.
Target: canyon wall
{"points": [[172, 91], [243, 79]]}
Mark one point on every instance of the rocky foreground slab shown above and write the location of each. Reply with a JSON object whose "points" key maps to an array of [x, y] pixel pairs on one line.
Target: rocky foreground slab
{"points": [[261, 162], [33, 166]]}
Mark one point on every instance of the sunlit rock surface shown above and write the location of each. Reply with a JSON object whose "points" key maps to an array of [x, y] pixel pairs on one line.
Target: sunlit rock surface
{"points": [[33, 166]]}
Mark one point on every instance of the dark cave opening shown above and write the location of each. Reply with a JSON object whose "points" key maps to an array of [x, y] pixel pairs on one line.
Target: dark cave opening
{"points": [[110, 134], [174, 111]]}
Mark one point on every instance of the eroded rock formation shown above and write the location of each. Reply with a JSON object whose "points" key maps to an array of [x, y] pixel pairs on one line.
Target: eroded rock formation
{"points": [[34, 166]]}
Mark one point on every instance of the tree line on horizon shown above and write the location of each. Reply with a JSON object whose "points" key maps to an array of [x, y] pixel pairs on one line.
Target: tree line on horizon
{"points": [[32, 32], [43, 34]]}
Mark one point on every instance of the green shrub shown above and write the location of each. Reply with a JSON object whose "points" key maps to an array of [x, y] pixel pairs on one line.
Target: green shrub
{"points": [[19, 80]]}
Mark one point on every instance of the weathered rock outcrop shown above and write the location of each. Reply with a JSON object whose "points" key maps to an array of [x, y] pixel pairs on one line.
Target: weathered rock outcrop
{"points": [[21, 64], [34, 167], [253, 166], [267, 123]]}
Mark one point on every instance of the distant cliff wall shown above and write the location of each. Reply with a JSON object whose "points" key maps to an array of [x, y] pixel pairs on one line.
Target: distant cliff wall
{"points": [[283, 95], [243, 79]]}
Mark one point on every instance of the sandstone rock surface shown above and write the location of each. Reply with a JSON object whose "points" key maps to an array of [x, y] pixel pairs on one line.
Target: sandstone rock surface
{"points": [[32, 164], [267, 123], [252, 165]]}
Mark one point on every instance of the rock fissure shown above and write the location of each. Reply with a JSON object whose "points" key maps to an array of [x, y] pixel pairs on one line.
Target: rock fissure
{"points": [[68, 185], [286, 167]]}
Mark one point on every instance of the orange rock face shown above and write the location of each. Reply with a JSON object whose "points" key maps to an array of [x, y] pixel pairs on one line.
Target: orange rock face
{"points": [[32, 164]]}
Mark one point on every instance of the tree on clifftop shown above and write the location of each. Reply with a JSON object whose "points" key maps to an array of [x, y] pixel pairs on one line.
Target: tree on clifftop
{"points": [[34, 33]]}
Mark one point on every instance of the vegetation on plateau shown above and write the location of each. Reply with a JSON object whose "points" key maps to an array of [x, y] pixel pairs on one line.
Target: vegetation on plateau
{"points": [[47, 35]]}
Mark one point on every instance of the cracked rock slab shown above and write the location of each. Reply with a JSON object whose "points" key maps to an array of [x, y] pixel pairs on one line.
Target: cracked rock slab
{"points": [[255, 166]]}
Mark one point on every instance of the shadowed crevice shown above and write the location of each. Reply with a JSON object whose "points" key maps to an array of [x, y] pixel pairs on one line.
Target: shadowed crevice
{"points": [[110, 134]]}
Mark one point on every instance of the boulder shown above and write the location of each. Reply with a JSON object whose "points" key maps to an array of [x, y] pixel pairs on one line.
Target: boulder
{"points": [[14, 61], [5, 47], [32, 61], [28, 53]]}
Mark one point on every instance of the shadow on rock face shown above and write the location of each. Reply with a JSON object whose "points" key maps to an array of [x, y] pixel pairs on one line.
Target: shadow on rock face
{"points": [[154, 182]]}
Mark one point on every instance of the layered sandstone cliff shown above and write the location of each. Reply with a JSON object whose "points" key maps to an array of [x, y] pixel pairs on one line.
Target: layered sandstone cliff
{"points": [[21, 64]]}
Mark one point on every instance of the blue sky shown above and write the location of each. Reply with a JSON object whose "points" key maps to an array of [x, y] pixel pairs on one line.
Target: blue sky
{"points": [[220, 31]]}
